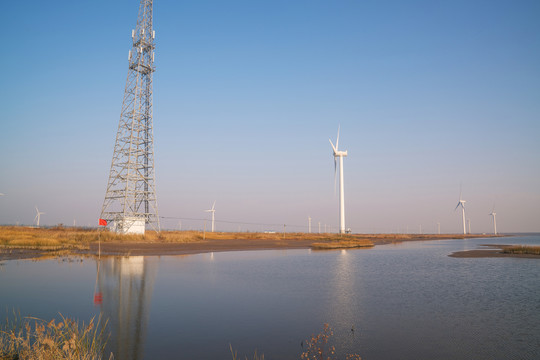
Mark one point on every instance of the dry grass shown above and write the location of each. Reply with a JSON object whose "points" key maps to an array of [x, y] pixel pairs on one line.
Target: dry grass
{"points": [[78, 238], [520, 249], [343, 244], [58, 238], [317, 347], [32, 338]]}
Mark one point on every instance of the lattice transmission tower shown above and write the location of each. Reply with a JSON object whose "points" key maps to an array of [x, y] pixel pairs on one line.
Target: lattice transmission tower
{"points": [[130, 201]]}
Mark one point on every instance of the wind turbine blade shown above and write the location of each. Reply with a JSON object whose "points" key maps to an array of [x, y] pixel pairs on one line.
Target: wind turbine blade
{"points": [[333, 147], [459, 203], [214, 205], [337, 140]]}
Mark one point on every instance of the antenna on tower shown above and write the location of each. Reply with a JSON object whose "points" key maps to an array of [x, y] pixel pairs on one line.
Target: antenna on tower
{"points": [[130, 200]]}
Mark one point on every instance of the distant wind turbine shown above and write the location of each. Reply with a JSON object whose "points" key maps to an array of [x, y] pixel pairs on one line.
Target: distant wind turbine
{"points": [[309, 224], [494, 214], [38, 216], [462, 204], [213, 211], [339, 154]]}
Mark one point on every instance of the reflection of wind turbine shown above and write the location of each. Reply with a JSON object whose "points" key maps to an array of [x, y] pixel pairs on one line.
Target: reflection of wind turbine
{"points": [[340, 154], [213, 211], [493, 213], [38, 216], [462, 203]]}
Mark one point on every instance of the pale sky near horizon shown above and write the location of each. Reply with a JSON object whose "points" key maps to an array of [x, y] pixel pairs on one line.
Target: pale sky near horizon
{"points": [[429, 95]]}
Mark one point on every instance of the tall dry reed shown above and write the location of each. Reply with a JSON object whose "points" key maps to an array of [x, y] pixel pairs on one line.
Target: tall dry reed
{"points": [[31, 338]]}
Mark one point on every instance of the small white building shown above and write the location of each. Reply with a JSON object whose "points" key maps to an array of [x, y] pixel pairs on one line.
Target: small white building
{"points": [[129, 225]]}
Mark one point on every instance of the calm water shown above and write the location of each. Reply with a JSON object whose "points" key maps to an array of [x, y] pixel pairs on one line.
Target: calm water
{"points": [[407, 301]]}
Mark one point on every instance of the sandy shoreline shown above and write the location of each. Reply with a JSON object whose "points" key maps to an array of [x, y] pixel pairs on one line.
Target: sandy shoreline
{"points": [[206, 246]]}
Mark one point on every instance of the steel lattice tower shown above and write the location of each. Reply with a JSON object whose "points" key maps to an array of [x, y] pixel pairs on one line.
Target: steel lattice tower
{"points": [[130, 200]]}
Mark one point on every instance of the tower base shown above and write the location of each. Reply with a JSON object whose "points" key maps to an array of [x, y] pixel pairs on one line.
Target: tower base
{"points": [[129, 225]]}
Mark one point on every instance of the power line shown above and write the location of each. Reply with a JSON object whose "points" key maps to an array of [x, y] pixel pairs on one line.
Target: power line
{"points": [[232, 222]]}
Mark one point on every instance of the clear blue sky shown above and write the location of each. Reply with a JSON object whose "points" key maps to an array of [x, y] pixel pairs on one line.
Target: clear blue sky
{"points": [[429, 94]]}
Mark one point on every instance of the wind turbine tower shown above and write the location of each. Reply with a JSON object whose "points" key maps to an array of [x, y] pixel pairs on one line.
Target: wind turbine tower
{"points": [[494, 214], [130, 200], [213, 211], [461, 203], [38, 216], [339, 154]]}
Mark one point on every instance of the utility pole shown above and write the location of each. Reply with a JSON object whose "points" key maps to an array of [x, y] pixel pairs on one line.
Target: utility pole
{"points": [[130, 200]]}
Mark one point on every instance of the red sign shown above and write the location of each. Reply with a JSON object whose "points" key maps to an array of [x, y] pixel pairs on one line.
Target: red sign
{"points": [[102, 222]]}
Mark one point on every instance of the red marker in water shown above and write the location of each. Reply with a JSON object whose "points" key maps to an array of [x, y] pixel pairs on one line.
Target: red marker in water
{"points": [[98, 298]]}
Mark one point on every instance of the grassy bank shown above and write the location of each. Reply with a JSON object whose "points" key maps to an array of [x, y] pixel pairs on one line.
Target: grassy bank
{"points": [[60, 239]]}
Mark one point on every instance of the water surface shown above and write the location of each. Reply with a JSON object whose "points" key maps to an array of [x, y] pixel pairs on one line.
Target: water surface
{"points": [[406, 301]]}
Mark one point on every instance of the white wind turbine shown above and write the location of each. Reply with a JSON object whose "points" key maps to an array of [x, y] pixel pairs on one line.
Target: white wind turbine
{"points": [[462, 203], [494, 214], [213, 211], [339, 154], [38, 216]]}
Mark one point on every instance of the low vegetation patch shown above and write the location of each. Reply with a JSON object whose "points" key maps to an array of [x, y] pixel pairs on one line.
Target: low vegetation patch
{"points": [[520, 249], [32, 338], [317, 347], [343, 244]]}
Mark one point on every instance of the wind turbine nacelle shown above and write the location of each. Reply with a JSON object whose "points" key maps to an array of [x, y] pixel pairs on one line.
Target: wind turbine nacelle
{"points": [[340, 153]]}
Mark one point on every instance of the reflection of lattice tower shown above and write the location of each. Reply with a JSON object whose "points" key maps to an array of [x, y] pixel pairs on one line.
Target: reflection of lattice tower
{"points": [[127, 285], [130, 201]]}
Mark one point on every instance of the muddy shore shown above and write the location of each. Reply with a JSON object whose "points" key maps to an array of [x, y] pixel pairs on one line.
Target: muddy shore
{"points": [[198, 247]]}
